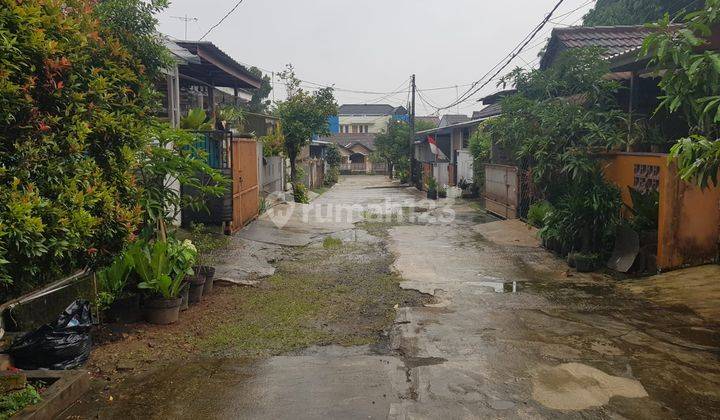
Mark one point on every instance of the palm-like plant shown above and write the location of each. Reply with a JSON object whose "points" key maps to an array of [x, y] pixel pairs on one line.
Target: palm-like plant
{"points": [[112, 280], [153, 263]]}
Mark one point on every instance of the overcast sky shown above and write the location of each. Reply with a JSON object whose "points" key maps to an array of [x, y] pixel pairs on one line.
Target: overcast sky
{"points": [[375, 45]]}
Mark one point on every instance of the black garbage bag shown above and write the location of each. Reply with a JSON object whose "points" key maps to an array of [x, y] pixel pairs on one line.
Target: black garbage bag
{"points": [[63, 345]]}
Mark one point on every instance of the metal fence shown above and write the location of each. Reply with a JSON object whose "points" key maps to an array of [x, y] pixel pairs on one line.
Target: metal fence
{"points": [[216, 145]]}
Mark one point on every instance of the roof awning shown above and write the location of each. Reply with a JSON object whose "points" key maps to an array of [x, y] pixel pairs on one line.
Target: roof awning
{"points": [[448, 129], [216, 68]]}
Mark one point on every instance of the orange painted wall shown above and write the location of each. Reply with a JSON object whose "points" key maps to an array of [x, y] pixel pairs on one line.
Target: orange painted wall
{"points": [[689, 219]]}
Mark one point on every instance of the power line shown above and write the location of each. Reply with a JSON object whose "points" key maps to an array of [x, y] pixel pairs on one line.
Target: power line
{"points": [[221, 20], [515, 52]]}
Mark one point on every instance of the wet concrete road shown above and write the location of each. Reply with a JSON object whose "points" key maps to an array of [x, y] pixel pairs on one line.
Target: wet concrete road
{"points": [[511, 334]]}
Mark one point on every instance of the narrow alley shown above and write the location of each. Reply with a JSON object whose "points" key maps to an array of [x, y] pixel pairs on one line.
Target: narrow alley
{"points": [[504, 331]]}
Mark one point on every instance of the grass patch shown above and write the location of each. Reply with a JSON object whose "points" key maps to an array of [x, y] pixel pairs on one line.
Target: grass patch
{"points": [[331, 243], [320, 190]]}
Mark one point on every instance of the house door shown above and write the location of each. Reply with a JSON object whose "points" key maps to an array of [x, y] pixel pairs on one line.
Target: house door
{"points": [[245, 196], [501, 190]]}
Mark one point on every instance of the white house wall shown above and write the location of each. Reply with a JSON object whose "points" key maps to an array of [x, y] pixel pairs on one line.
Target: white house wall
{"points": [[376, 123]]}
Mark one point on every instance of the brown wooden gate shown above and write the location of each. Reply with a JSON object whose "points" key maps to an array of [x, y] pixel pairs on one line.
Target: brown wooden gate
{"points": [[502, 190], [245, 190]]}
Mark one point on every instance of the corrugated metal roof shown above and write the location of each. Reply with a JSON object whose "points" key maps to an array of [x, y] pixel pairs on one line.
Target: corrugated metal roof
{"points": [[452, 119], [180, 54]]}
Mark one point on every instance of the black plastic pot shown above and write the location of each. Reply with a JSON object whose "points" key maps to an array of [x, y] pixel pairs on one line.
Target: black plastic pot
{"points": [[184, 295], [432, 195], [125, 310], [195, 292], [162, 311], [209, 274]]}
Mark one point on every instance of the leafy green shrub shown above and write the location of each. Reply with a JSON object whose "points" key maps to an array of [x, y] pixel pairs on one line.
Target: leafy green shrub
{"points": [[691, 87], [645, 209], [585, 218], [231, 117], [196, 120], [300, 193], [586, 263], [113, 279], [274, 142], [76, 100], [333, 157], [332, 176], [172, 159], [537, 213], [163, 265], [13, 402], [442, 192]]}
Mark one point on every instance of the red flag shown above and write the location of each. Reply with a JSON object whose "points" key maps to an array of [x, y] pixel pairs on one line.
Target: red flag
{"points": [[433, 145]]}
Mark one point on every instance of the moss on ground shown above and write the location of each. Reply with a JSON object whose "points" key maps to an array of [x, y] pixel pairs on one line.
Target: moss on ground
{"points": [[340, 295], [331, 243], [320, 190]]}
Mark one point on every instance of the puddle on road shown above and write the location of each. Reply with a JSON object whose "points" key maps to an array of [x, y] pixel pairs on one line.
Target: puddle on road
{"points": [[500, 286]]}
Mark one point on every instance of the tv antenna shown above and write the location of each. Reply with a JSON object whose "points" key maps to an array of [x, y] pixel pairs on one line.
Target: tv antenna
{"points": [[185, 19]]}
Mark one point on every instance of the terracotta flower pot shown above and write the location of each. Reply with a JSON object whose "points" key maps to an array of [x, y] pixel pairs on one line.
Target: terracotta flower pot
{"points": [[162, 311]]}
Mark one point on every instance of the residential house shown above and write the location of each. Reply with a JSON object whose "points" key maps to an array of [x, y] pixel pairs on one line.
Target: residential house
{"points": [[200, 68], [354, 130], [453, 162], [689, 218], [355, 152], [365, 118]]}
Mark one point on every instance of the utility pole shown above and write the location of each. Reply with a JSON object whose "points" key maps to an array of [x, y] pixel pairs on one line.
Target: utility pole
{"points": [[185, 19], [413, 165]]}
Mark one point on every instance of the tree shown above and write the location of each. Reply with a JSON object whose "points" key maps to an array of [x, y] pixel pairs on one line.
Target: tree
{"points": [[392, 146], [635, 12], [333, 157], [76, 104], [173, 158], [259, 102], [303, 115], [691, 85]]}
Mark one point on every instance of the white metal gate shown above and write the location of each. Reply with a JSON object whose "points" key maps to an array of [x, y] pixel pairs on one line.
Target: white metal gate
{"points": [[464, 165], [501, 190], [440, 173]]}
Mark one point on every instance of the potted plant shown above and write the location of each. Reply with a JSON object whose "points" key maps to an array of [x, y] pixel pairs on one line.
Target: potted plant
{"points": [[204, 244], [229, 117], [154, 265], [118, 305], [432, 192], [586, 263], [184, 255], [185, 295], [442, 192]]}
